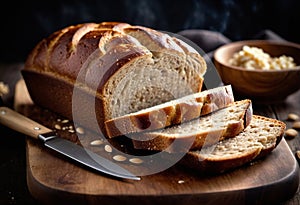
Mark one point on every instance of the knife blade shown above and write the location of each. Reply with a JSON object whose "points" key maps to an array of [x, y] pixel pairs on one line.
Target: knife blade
{"points": [[20, 123]]}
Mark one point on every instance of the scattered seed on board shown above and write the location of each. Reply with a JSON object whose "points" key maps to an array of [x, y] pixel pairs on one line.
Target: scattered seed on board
{"points": [[180, 181], [291, 133], [108, 148], [296, 125], [293, 116], [119, 158], [80, 130], [65, 121], [298, 154], [96, 142], [57, 126], [136, 160]]}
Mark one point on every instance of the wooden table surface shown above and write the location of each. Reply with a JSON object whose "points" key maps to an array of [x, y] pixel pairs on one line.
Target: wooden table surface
{"points": [[13, 186]]}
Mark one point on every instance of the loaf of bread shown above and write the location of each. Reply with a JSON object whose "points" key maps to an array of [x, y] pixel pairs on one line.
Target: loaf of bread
{"points": [[256, 141], [127, 79], [115, 68], [207, 130], [172, 112]]}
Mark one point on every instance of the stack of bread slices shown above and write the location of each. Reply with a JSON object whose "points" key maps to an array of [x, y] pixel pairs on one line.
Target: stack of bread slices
{"points": [[216, 132], [147, 85]]}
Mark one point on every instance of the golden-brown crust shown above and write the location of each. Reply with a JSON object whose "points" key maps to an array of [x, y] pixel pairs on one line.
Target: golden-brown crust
{"points": [[211, 167], [65, 54], [120, 51], [53, 61], [164, 142], [153, 120], [47, 96], [219, 164], [217, 101], [161, 39], [171, 114], [162, 42]]}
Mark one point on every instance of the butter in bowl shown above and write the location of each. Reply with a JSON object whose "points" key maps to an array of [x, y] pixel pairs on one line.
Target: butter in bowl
{"points": [[262, 70]]}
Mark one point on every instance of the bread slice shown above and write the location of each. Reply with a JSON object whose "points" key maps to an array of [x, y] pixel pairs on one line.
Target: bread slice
{"points": [[172, 112], [256, 141], [203, 131]]}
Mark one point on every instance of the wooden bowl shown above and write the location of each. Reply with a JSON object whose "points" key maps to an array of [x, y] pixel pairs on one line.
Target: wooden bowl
{"points": [[260, 85]]}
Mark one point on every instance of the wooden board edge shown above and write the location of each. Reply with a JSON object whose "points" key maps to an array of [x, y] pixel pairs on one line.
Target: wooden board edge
{"points": [[255, 195]]}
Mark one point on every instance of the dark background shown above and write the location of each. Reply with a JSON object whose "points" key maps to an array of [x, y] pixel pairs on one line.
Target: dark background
{"points": [[24, 23]]}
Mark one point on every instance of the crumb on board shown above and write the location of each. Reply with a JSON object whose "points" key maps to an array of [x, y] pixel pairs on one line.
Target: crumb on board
{"points": [[3, 89]]}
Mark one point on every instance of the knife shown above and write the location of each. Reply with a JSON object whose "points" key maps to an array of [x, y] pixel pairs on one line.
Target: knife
{"points": [[20, 123]]}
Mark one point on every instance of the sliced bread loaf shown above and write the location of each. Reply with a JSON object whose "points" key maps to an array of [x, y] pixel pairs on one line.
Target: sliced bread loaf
{"points": [[172, 112], [112, 69], [206, 130], [256, 141]]}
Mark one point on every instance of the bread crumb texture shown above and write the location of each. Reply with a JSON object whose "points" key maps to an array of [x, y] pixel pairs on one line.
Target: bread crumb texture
{"points": [[261, 133]]}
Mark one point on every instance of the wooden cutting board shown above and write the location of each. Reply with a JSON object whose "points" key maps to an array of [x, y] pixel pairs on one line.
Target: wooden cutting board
{"points": [[52, 179]]}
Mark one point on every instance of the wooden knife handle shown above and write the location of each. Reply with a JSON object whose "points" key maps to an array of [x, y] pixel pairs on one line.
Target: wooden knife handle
{"points": [[20, 123]]}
